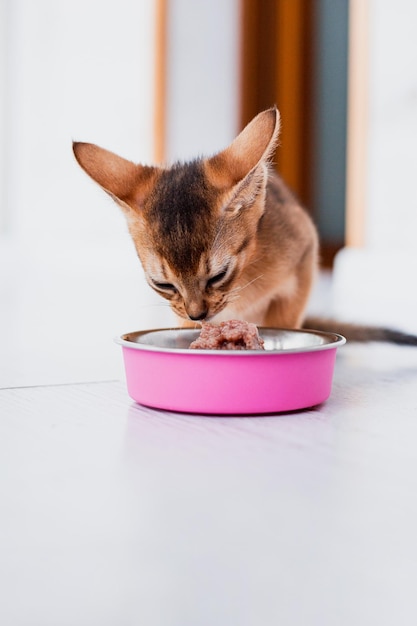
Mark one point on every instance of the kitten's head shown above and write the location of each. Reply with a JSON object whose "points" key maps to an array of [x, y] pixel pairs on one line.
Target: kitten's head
{"points": [[194, 224]]}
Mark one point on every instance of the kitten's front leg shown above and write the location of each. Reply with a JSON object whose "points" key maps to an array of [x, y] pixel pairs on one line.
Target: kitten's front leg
{"points": [[284, 313], [288, 311]]}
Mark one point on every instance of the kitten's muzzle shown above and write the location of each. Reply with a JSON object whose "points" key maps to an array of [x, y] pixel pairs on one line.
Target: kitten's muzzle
{"points": [[197, 317]]}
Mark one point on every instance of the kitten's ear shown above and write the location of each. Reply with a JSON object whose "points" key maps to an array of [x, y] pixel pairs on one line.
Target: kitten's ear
{"points": [[127, 183], [255, 144]]}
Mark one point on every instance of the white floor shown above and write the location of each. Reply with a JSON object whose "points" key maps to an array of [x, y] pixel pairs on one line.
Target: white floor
{"points": [[113, 514]]}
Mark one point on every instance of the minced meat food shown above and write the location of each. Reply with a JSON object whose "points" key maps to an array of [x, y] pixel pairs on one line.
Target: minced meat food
{"points": [[230, 335]]}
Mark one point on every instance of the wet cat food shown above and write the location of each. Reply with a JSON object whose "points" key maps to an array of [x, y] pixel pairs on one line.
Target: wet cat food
{"points": [[230, 335]]}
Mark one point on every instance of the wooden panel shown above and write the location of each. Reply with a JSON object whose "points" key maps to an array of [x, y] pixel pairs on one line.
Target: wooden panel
{"points": [[357, 123], [276, 60], [160, 80], [289, 88], [258, 57]]}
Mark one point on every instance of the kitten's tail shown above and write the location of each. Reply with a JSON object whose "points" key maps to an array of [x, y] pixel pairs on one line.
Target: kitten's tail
{"points": [[361, 333]]}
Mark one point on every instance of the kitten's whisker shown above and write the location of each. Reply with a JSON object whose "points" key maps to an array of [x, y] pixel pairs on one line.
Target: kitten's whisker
{"points": [[259, 258], [235, 294], [184, 323], [218, 234], [239, 289]]}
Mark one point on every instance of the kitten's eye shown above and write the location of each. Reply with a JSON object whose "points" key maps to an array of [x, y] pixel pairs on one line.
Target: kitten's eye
{"points": [[214, 280], [165, 286]]}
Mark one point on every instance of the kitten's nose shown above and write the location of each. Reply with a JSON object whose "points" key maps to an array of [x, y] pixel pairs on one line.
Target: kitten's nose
{"points": [[199, 316]]}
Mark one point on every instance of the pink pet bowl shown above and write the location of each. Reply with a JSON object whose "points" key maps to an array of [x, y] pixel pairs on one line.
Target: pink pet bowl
{"points": [[295, 371]]}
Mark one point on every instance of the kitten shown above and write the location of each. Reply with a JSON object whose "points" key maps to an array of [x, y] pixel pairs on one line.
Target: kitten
{"points": [[222, 237]]}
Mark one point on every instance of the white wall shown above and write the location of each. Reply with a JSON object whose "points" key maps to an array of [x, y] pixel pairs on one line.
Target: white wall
{"points": [[3, 109], [392, 158], [77, 69], [377, 283], [203, 77]]}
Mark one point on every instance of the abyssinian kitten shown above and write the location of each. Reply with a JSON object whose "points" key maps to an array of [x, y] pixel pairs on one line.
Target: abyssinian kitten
{"points": [[223, 237]]}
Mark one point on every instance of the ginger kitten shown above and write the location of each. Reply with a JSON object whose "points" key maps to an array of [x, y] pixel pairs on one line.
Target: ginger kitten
{"points": [[222, 237]]}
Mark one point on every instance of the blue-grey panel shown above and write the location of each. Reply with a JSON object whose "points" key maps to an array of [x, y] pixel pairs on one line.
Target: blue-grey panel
{"points": [[329, 158]]}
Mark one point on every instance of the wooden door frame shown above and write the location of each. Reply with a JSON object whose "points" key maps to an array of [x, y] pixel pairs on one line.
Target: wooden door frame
{"points": [[160, 85], [276, 58], [357, 123]]}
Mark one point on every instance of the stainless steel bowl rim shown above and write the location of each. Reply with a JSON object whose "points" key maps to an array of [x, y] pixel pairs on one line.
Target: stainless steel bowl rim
{"points": [[325, 341]]}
